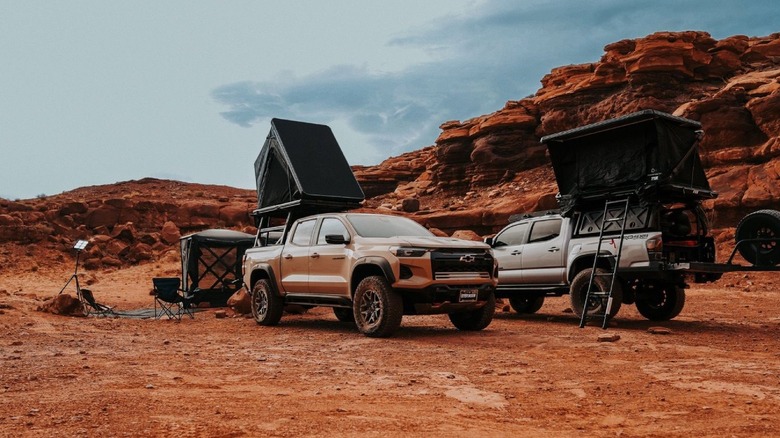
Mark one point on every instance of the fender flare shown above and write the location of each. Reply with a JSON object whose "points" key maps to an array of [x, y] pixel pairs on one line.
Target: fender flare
{"points": [[571, 272], [268, 270], [382, 263]]}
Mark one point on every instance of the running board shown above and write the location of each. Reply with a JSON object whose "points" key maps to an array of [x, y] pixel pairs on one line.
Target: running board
{"points": [[318, 300]]}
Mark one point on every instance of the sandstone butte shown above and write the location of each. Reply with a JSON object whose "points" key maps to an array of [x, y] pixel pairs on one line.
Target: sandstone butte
{"points": [[481, 170]]}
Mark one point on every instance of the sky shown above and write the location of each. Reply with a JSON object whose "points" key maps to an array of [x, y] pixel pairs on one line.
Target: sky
{"points": [[100, 91]]}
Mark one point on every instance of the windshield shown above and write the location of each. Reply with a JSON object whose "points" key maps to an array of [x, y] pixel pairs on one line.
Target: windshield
{"points": [[386, 226]]}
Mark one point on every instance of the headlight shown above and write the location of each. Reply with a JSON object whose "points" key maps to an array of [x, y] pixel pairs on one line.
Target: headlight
{"points": [[410, 252]]}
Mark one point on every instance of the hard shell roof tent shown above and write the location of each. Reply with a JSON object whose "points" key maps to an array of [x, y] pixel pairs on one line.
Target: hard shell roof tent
{"points": [[211, 264], [649, 154], [301, 170]]}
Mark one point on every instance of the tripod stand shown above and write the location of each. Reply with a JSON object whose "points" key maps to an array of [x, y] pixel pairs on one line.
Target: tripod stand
{"points": [[79, 246]]}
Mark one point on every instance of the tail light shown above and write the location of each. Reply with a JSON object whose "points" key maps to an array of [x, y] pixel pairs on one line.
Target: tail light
{"points": [[655, 247]]}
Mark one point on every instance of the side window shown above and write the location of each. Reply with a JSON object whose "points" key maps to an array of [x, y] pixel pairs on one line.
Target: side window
{"points": [[545, 230], [512, 236], [303, 231], [331, 226]]}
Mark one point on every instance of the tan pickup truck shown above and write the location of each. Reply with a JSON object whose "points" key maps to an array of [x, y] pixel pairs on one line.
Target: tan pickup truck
{"points": [[372, 269]]}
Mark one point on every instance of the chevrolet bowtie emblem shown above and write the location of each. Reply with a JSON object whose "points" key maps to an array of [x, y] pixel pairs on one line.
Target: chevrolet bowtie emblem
{"points": [[468, 258]]}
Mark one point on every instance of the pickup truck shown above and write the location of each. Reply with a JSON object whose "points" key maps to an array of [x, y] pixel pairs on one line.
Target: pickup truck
{"points": [[548, 254], [371, 269]]}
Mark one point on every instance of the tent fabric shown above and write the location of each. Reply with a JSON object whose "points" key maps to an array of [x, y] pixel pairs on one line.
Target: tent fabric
{"points": [[644, 153], [302, 162], [211, 261]]}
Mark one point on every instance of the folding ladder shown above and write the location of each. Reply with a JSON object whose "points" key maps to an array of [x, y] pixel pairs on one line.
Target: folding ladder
{"points": [[605, 297]]}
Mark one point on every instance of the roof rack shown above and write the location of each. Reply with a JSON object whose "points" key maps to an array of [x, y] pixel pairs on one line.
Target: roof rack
{"points": [[521, 216]]}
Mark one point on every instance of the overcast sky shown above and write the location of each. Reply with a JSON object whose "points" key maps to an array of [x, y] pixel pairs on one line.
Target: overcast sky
{"points": [[97, 91]]}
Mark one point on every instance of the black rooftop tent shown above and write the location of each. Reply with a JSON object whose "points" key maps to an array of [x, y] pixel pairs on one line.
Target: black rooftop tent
{"points": [[647, 153], [211, 264], [301, 165], [301, 171]]}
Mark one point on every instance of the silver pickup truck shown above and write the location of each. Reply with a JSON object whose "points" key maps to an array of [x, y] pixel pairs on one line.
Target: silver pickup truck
{"points": [[550, 255]]}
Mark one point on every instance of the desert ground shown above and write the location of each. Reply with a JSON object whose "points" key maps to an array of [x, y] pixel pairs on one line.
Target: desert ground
{"points": [[716, 373]]}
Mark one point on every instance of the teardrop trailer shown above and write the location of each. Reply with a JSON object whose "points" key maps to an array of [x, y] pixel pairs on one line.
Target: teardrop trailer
{"points": [[631, 228]]}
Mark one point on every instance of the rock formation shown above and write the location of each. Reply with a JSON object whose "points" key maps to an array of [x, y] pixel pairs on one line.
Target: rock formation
{"points": [[480, 171], [126, 223], [493, 165]]}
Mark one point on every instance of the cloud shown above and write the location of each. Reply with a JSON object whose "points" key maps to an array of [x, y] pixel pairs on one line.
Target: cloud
{"points": [[479, 59]]}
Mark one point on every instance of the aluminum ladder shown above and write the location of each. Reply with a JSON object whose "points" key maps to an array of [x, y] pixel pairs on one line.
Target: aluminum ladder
{"points": [[605, 297]]}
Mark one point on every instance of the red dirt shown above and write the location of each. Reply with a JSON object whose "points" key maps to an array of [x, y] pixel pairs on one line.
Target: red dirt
{"points": [[715, 374]]}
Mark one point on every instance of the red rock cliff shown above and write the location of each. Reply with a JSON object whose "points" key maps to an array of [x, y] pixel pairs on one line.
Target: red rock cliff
{"points": [[481, 170], [493, 165]]}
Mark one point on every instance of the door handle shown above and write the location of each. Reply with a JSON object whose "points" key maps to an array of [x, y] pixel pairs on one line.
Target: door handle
{"points": [[288, 256], [553, 249], [314, 255], [516, 252]]}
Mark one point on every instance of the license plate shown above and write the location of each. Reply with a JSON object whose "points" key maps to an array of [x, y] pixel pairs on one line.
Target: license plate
{"points": [[467, 295]]}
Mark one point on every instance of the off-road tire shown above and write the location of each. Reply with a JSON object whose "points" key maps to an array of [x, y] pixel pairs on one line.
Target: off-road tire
{"points": [[344, 314], [761, 223], [579, 287], [527, 303], [377, 308], [477, 319], [662, 303], [267, 306]]}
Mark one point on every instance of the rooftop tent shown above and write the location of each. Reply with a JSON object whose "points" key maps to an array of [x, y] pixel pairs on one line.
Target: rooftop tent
{"points": [[211, 264], [646, 153], [301, 166]]}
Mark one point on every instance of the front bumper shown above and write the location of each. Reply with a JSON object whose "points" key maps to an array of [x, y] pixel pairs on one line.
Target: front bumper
{"points": [[444, 298]]}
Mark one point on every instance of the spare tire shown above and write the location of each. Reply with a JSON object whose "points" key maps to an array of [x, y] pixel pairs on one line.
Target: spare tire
{"points": [[762, 224]]}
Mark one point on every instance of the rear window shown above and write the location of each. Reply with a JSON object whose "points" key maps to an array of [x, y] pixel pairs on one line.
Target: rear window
{"points": [[545, 230], [303, 231]]}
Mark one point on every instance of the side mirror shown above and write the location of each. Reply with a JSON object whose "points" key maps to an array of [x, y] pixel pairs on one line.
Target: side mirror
{"points": [[489, 241], [336, 239]]}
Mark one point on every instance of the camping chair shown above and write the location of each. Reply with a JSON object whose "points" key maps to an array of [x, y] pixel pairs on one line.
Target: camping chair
{"points": [[172, 303], [92, 307]]}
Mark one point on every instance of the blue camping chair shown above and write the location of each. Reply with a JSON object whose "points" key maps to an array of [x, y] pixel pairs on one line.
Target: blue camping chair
{"points": [[171, 302]]}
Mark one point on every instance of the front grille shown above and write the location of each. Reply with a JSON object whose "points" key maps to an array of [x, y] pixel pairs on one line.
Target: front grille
{"points": [[461, 275], [460, 265]]}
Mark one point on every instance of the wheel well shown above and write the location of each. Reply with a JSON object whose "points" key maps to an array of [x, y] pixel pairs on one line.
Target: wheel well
{"points": [[585, 263], [362, 271], [258, 274]]}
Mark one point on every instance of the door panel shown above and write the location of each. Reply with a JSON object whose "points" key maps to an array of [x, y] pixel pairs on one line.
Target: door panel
{"points": [[542, 257], [508, 249], [295, 258], [328, 269], [295, 269], [328, 263]]}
